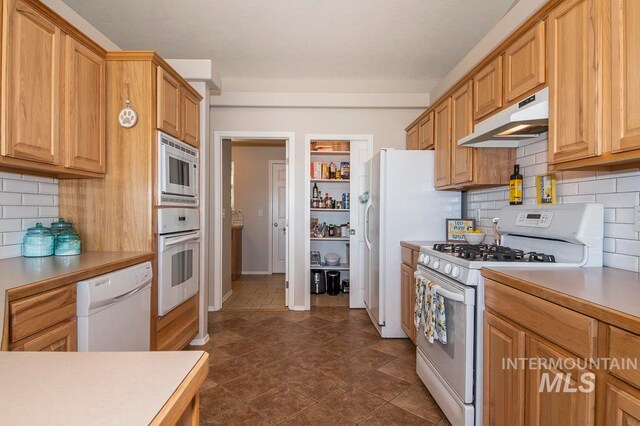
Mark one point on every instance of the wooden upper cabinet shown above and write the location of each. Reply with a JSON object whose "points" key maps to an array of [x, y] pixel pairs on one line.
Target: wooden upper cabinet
{"points": [[442, 143], [84, 108], [574, 101], [524, 63], [504, 388], [32, 84], [169, 100], [425, 131], [487, 89], [623, 409], [558, 407], [190, 118], [412, 138], [461, 126], [625, 70]]}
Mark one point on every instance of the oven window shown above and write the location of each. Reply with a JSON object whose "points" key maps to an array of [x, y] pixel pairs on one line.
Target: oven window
{"points": [[181, 267], [178, 172]]}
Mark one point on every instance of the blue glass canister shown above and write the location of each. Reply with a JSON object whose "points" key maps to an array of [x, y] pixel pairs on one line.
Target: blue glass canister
{"points": [[59, 226], [68, 243], [38, 242]]}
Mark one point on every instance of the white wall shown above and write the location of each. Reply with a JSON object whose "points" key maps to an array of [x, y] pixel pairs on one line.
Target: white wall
{"points": [[386, 125], [618, 191], [252, 194]]}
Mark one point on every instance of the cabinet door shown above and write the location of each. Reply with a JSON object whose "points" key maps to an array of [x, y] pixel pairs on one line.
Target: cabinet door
{"points": [[442, 133], [524, 63], [461, 126], [573, 99], [190, 119], [623, 409], [625, 17], [60, 338], [558, 393], [487, 89], [84, 108], [32, 85], [412, 138], [168, 103], [425, 131], [407, 295], [503, 387]]}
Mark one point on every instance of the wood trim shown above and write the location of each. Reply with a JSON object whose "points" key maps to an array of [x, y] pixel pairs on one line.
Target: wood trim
{"points": [[185, 397], [176, 329], [538, 16], [599, 312]]}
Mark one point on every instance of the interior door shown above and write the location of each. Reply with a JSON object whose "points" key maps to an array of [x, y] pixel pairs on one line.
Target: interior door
{"points": [[278, 217], [358, 273]]}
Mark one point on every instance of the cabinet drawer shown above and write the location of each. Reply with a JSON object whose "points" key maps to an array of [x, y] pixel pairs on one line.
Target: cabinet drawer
{"points": [[624, 345], [409, 256], [33, 314], [573, 331]]}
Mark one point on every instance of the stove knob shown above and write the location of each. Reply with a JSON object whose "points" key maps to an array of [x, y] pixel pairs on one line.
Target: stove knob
{"points": [[455, 273], [426, 259], [447, 268], [421, 258], [436, 264]]}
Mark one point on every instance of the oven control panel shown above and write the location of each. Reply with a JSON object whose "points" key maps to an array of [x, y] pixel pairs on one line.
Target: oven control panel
{"points": [[540, 219]]}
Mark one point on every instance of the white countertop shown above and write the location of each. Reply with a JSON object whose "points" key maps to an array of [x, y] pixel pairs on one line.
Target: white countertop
{"points": [[89, 388]]}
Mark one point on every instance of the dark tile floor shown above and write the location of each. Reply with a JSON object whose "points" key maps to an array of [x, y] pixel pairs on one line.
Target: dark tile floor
{"points": [[327, 366]]}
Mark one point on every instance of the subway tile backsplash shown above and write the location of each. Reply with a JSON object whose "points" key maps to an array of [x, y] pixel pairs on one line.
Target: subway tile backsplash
{"points": [[619, 191], [24, 201]]}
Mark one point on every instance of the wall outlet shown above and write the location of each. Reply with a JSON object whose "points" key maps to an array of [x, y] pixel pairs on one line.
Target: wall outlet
{"points": [[260, 212], [636, 218]]}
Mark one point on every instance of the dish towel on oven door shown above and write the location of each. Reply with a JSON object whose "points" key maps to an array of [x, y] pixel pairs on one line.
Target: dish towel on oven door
{"points": [[429, 310]]}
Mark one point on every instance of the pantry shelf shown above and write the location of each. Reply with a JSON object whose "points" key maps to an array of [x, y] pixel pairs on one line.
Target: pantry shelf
{"points": [[313, 153], [330, 239], [330, 210], [330, 180], [341, 267]]}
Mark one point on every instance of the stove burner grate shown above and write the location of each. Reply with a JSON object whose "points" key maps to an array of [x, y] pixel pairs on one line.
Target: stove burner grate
{"points": [[492, 253]]}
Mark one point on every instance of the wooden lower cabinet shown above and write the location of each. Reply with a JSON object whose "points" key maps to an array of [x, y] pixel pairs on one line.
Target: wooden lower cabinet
{"points": [[236, 252], [408, 298], [623, 409], [177, 328], [503, 388], [59, 338], [571, 402]]}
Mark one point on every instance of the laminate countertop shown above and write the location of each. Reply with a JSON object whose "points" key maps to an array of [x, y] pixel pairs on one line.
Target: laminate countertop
{"points": [[415, 245], [607, 294], [22, 276], [96, 388]]}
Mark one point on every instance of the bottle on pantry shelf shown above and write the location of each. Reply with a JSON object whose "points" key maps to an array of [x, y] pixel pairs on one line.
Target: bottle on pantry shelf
{"points": [[326, 201], [315, 190], [325, 171], [515, 187], [332, 230], [332, 170]]}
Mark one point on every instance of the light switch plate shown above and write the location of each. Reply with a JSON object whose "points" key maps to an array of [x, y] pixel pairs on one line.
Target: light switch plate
{"points": [[636, 218]]}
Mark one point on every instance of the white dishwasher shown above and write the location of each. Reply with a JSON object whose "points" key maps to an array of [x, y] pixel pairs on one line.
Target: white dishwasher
{"points": [[114, 310]]}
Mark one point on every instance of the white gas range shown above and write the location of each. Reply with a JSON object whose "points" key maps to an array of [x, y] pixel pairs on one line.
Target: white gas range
{"points": [[557, 236]]}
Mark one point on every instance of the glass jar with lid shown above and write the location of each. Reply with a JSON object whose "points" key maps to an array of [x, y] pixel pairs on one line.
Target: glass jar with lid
{"points": [[68, 243], [38, 242], [60, 225]]}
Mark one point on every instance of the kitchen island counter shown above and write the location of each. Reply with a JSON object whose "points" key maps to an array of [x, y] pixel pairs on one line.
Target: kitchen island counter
{"points": [[607, 294], [101, 388]]}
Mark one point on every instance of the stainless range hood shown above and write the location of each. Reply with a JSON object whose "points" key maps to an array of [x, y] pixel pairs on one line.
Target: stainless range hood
{"points": [[513, 126]]}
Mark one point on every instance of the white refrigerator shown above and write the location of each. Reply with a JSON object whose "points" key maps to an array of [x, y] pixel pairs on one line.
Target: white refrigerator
{"points": [[403, 205]]}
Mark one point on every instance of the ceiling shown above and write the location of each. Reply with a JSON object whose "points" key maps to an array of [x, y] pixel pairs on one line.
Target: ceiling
{"points": [[305, 45]]}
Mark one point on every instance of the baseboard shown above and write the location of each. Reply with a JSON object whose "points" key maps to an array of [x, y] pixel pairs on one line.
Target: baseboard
{"points": [[211, 309], [256, 273], [226, 296], [200, 342]]}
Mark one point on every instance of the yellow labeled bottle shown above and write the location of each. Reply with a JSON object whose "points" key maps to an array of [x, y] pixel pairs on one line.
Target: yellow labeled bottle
{"points": [[515, 187]]}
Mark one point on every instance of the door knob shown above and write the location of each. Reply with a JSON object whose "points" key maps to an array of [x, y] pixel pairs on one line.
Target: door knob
{"points": [[275, 225]]}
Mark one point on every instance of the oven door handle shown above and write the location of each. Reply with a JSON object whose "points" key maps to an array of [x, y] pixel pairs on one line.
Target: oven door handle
{"points": [[449, 294], [179, 240]]}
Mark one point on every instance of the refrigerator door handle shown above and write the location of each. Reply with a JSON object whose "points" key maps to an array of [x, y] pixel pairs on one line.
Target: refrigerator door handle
{"points": [[366, 225]]}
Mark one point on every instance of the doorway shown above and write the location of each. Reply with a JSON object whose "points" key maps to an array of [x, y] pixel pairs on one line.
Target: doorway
{"points": [[253, 224]]}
